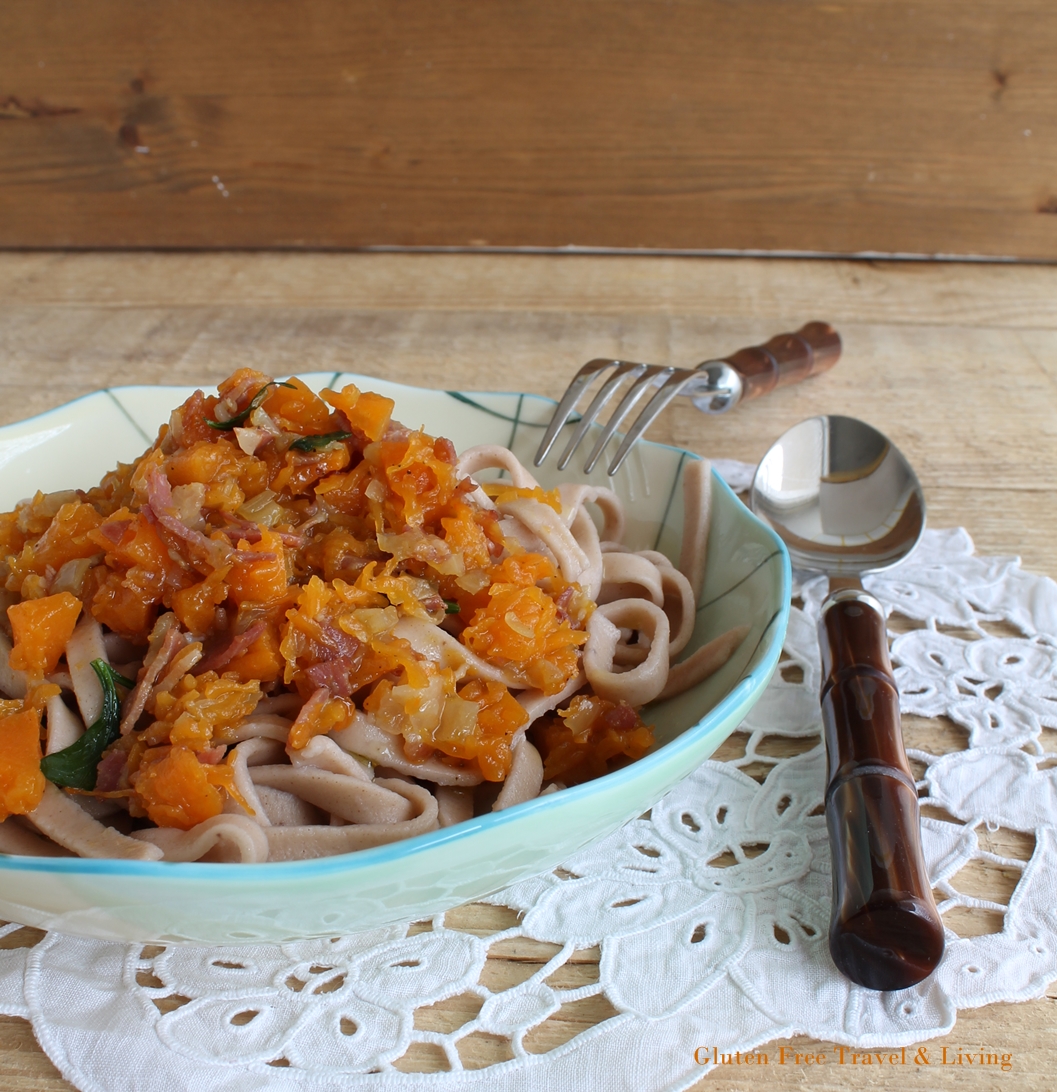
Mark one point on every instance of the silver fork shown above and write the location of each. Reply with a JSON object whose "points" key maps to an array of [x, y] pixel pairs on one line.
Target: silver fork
{"points": [[715, 387]]}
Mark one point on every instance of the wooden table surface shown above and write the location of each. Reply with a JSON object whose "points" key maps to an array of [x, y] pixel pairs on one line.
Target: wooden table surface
{"points": [[956, 362], [879, 126]]}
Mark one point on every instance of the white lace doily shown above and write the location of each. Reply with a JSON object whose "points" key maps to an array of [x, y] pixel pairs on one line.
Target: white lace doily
{"points": [[711, 914]]}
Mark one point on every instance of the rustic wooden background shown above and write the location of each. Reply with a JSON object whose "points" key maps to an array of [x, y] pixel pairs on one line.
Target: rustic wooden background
{"points": [[843, 126]]}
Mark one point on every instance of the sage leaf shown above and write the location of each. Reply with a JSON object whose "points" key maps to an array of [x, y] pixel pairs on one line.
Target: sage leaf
{"points": [[74, 767], [314, 443]]}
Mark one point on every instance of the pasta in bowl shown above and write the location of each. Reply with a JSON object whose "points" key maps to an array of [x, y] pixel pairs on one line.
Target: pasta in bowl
{"points": [[329, 633]]}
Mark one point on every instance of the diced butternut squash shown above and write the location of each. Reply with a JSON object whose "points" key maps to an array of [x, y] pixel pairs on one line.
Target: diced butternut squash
{"points": [[297, 408], [120, 607], [261, 661], [21, 782], [41, 628], [175, 789], [365, 411], [196, 606]]}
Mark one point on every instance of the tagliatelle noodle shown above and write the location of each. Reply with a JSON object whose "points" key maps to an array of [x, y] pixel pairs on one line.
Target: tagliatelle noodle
{"points": [[349, 798], [64, 728], [66, 823], [574, 497], [454, 805], [627, 576], [290, 695], [299, 843], [223, 838], [257, 751], [82, 648], [323, 753], [697, 510], [17, 840], [706, 661], [493, 457], [364, 737], [525, 778], [643, 682]]}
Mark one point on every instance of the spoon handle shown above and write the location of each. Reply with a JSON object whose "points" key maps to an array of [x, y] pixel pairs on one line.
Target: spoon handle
{"points": [[885, 931], [786, 358]]}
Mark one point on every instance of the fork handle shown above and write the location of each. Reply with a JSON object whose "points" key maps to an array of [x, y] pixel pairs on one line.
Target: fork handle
{"points": [[786, 358]]}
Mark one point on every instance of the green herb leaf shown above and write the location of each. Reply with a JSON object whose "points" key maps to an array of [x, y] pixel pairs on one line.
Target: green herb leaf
{"points": [[255, 401], [314, 443], [451, 606], [75, 766]]}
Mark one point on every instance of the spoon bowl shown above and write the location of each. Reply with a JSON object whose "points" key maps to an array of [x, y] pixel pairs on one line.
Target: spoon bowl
{"points": [[843, 499]]}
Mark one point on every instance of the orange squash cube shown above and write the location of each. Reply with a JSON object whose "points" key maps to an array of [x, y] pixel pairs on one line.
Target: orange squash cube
{"points": [[41, 628], [21, 782]]}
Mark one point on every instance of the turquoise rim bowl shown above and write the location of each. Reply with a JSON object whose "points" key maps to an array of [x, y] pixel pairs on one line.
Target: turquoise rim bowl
{"points": [[747, 580]]}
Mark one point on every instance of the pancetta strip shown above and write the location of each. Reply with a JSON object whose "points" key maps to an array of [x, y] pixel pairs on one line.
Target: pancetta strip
{"points": [[19, 842], [454, 805], [59, 817], [363, 737], [85, 645], [221, 657], [706, 661], [157, 659], [697, 513], [180, 664], [64, 726], [640, 684], [525, 777], [349, 798], [300, 843], [229, 838], [162, 506]]}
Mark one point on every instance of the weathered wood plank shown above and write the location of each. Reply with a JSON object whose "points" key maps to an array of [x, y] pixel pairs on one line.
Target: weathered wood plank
{"points": [[862, 292], [811, 125]]}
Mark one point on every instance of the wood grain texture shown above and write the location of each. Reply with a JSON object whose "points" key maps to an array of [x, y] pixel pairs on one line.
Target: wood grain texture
{"points": [[837, 126], [958, 363]]}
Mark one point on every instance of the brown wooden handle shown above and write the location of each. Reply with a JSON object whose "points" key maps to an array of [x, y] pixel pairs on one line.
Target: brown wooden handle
{"points": [[786, 358], [885, 931]]}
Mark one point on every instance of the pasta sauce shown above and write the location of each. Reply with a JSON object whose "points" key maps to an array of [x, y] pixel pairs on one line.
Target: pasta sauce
{"points": [[294, 627]]}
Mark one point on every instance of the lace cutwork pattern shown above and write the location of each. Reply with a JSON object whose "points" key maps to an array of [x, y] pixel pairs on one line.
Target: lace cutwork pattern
{"points": [[704, 921]]}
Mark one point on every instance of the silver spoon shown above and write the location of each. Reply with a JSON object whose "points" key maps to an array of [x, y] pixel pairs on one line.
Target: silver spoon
{"points": [[845, 501]]}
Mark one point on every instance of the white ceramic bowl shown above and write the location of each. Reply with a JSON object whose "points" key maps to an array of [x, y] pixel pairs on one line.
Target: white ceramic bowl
{"points": [[747, 581]]}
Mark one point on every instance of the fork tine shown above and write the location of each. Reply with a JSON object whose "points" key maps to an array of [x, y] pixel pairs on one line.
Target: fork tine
{"points": [[672, 386], [648, 378], [590, 415], [563, 411]]}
